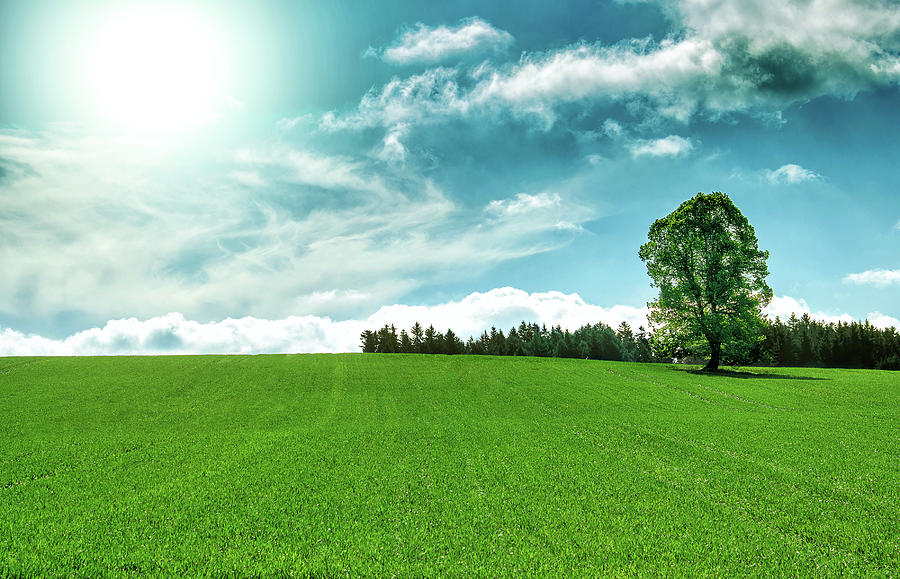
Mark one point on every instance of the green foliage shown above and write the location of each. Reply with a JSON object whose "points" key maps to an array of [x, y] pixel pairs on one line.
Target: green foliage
{"points": [[595, 342], [705, 260], [799, 342], [807, 342], [393, 465]]}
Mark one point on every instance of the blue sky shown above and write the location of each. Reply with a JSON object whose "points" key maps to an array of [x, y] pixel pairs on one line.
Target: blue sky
{"points": [[275, 176]]}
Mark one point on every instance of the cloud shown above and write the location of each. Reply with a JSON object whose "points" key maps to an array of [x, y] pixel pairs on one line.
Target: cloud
{"points": [[173, 334], [392, 149], [500, 307], [308, 168], [542, 211], [784, 306], [671, 146], [883, 321], [427, 45], [523, 203], [506, 307], [425, 98], [877, 277], [271, 230], [732, 56], [791, 174]]}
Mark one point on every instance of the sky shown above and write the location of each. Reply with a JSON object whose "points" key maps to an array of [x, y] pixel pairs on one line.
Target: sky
{"points": [[275, 176]]}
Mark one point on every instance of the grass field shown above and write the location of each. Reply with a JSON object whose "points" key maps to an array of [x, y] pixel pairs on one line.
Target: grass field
{"points": [[332, 465]]}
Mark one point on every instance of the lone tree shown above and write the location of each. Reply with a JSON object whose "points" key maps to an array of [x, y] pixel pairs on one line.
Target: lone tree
{"points": [[711, 275]]}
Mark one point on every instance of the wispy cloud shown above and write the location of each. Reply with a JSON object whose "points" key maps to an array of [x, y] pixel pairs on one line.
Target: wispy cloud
{"points": [[877, 277], [429, 45], [523, 203], [273, 230], [791, 174], [671, 146], [174, 334], [543, 211]]}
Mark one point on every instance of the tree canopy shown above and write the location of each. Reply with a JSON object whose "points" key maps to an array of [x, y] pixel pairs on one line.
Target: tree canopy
{"points": [[705, 260]]}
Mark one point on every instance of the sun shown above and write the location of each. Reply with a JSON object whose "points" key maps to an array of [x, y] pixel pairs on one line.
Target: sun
{"points": [[155, 69]]}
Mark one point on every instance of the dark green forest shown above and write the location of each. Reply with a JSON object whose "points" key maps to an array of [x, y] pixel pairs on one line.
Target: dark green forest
{"points": [[795, 342]]}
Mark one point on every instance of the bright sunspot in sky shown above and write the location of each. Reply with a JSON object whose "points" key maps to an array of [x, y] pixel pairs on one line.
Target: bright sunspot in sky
{"points": [[156, 69]]}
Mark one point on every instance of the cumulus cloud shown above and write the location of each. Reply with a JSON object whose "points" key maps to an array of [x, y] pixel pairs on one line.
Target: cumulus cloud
{"points": [[785, 306], [791, 174], [755, 56], [877, 277], [671, 146], [506, 307], [173, 334], [429, 45], [501, 307], [883, 321]]}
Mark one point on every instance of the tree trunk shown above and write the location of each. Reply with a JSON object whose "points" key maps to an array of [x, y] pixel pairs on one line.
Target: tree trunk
{"points": [[716, 354]]}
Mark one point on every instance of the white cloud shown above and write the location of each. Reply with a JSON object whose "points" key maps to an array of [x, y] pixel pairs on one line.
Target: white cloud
{"points": [[523, 203], [620, 72], [783, 306], [263, 235], [392, 149], [612, 129], [477, 312], [287, 124], [506, 307], [428, 45], [877, 277], [248, 178], [543, 211], [791, 174], [671, 146], [423, 98], [755, 56], [883, 321], [309, 168], [173, 334]]}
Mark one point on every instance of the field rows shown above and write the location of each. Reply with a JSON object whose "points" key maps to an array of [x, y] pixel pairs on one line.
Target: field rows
{"points": [[425, 465]]}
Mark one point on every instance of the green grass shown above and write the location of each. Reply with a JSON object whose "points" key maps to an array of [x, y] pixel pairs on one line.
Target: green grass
{"points": [[330, 465]]}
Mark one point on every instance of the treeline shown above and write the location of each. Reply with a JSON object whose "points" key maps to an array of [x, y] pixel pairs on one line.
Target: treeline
{"points": [[595, 342], [807, 342], [796, 342]]}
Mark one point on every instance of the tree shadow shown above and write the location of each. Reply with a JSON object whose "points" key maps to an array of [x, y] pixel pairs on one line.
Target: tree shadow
{"points": [[747, 375]]}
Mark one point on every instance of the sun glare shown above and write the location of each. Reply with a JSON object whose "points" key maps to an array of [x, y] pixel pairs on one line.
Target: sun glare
{"points": [[157, 69]]}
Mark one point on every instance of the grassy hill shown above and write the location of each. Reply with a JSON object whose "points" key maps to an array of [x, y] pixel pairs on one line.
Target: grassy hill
{"points": [[425, 465]]}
